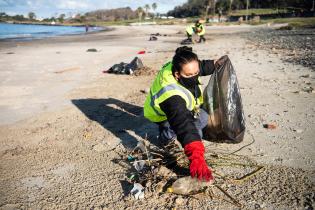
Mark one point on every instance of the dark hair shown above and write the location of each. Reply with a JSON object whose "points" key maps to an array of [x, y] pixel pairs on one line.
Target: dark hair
{"points": [[183, 55]]}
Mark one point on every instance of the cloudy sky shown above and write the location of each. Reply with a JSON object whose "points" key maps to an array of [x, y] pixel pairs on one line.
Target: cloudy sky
{"points": [[48, 8]]}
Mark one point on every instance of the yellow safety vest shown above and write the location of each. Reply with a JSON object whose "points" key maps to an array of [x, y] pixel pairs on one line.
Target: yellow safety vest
{"points": [[165, 86], [202, 28], [190, 29]]}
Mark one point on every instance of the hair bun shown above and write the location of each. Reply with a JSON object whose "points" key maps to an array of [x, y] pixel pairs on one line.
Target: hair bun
{"points": [[183, 49]]}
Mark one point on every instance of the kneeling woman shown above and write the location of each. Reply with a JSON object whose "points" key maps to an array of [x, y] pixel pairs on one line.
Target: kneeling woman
{"points": [[173, 103]]}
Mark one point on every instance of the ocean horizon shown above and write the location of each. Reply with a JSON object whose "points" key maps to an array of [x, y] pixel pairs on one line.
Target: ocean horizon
{"points": [[35, 31]]}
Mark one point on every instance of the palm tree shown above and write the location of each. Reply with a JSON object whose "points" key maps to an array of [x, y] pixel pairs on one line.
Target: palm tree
{"points": [[230, 7], [140, 13], [31, 15], [247, 3], [207, 9], [154, 6], [146, 7]]}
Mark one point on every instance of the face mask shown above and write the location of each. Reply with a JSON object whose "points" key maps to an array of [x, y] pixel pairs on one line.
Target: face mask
{"points": [[189, 82]]}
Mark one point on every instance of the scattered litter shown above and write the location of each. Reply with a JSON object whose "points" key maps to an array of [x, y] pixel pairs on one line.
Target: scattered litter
{"points": [[126, 68], [153, 38], [157, 170], [137, 191], [87, 135], [139, 165], [91, 50], [308, 89], [270, 126], [187, 186], [298, 130], [186, 42], [130, 158], [67, 70], [141, 52], [305, 76], [165, 172], [140, 146], [158, 34]]}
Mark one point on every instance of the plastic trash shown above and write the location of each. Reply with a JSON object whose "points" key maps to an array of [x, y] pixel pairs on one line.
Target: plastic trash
{"points": [[135, 64], [186, 42], [139, 165], [91, 50], [130, 158], [141, 52], [137, 191], [153, 38], [270, 126], [222, 101], [140, 146], [126, 68], [187, 186]]}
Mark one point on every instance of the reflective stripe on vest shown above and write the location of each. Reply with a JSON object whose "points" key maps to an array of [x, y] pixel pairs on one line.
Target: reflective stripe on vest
{"points": [[168, 88]]}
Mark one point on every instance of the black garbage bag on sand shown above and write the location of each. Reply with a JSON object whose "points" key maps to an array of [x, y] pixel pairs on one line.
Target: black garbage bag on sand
{"points": [[222, 100], [126, 68], [186, 42]]}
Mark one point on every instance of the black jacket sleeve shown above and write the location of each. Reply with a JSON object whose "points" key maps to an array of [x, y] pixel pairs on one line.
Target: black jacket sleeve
{"points": [[206, 67], [180, 119]]}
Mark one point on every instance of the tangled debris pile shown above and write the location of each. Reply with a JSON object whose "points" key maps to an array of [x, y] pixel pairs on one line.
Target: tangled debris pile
{"points": [[156, 170]]}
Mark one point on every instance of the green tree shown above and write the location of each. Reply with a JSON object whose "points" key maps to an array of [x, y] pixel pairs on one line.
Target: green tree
{"points": [[140, 13], [61, 18], [147, 8], [154, 6], [31, 15]]}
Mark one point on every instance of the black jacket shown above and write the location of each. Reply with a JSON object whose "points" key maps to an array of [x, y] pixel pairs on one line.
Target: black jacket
{"points": [[179, 117]]}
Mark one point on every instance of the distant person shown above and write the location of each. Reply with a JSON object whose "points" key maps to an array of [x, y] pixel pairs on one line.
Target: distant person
{"points": [[200, 29], [190, 29], [174, 104], [86, 28], [220, 14]]}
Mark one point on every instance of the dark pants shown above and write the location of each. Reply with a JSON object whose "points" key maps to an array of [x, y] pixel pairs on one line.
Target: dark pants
{"points": [[166, 134], [189, 36], [202, 39]]}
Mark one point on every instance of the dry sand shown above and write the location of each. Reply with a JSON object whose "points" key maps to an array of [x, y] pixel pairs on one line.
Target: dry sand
{"points": [[64, 122]]}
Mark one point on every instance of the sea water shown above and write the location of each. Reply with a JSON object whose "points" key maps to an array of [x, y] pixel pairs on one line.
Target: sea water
{"points": [[32, 31]]}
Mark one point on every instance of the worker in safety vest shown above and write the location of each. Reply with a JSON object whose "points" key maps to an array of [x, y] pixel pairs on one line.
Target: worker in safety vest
{"points": [[174, 104], [190, 29], [200, 30]]}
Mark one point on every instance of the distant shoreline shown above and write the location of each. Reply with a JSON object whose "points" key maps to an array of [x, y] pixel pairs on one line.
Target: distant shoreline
{"points": [[10, 43], [48, 24], [32, 37]]}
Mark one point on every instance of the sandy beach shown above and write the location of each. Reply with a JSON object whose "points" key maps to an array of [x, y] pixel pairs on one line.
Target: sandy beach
{"points": [[64, 121]]}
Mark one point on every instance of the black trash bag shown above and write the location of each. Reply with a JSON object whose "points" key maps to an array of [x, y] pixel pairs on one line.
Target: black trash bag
{"points": [[222, 101], [117, 68], [134, 65], [153, 38], [186, 42], [126, 68]]}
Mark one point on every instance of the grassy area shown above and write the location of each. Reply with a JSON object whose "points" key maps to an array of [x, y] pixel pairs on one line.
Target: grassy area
{"points": [[257, 12], [294, 22]]}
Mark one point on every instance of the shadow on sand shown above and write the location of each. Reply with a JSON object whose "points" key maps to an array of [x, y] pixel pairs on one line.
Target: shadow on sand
{"points": [[118, 117]]}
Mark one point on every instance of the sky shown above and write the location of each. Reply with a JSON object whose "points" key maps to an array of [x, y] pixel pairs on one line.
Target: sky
{"points": [[49, 8]]}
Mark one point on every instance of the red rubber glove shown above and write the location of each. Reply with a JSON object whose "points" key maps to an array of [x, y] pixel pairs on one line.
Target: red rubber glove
{"points": [[198, 166]]}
